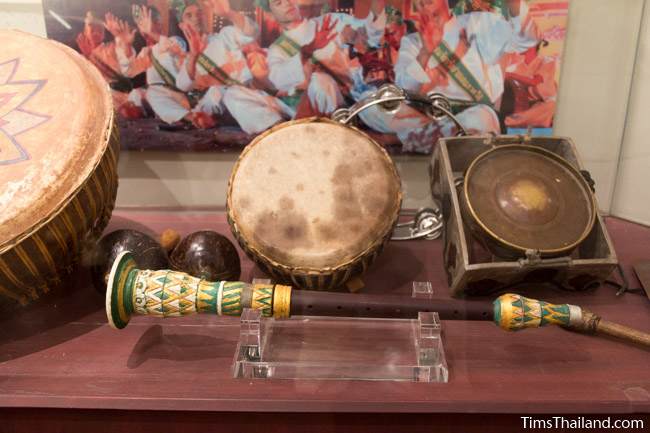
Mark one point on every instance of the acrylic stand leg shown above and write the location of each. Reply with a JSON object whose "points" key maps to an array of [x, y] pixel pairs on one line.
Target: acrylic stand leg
{"points": [[431, 353], [252, 337], [422, 290]]}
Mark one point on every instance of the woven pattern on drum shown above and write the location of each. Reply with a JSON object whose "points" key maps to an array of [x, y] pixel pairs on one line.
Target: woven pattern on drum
{"points": [[39, 262]]}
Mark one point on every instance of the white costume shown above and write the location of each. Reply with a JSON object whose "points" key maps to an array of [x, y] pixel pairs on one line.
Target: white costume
{"points": [[162, 93], [286, 69], [254, 110], [489, 36]]}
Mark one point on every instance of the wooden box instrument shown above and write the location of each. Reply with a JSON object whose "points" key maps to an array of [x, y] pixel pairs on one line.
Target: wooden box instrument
{"points": [[58, 163], [518, 209]]}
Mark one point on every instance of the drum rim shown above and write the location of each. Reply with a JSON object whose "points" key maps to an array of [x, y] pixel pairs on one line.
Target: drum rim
{"points": [[109, 126], [551, 155], [379, 240]]}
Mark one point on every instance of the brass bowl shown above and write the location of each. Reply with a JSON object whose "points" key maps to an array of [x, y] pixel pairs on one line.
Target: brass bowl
{"points": [[522, 198]]}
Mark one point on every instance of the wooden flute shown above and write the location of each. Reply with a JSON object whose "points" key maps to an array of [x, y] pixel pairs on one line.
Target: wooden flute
{"points": [[167, 293]]}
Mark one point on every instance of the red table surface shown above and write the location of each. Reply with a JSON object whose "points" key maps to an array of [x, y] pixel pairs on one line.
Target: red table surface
{"points": [[60, 353]]}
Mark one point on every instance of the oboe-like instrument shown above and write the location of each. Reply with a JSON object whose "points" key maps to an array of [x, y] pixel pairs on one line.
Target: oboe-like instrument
{"points": [[167, 293]]}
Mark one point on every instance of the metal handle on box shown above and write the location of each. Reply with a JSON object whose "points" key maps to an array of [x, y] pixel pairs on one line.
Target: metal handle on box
{"points": [[389, 98]]}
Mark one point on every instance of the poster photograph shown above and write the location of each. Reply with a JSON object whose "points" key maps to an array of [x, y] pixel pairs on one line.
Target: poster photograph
{"points": [[212, 74]]}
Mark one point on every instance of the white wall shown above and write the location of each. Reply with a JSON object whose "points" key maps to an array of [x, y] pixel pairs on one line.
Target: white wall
{"points": [[592, 105], [595, 84], [632, 190], [200, 179], [26, 15]]}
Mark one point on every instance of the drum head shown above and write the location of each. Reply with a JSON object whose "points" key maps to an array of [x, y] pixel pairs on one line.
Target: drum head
{"points": [[313, 194], [55, 111], [528, 198]]}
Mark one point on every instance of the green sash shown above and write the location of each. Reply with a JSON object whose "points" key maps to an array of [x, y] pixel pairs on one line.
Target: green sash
{"points": [[459, 72], [167, 77], [288, 45], [215, 71], [292, 48], [292, 100], [498, 6], [117, 81]]}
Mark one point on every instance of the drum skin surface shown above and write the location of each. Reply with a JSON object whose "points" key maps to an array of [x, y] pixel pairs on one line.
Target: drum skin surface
{"points": [[58, 155], [313, 201], [527, 198]]}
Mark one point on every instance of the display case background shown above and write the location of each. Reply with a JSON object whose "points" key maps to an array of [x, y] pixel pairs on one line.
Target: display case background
{"points": [[603, 102]]}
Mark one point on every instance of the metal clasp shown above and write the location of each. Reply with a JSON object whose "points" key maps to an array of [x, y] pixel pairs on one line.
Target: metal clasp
{"points": [[427, 225], [534, 257]]}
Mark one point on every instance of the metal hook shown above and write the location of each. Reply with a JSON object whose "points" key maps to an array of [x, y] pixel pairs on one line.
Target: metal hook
{"points": [[441, 104], [427, 224], [389, 98]]}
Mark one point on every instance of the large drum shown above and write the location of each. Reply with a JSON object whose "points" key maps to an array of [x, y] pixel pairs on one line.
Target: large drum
{"points": [[313, 202], [58, 155]]}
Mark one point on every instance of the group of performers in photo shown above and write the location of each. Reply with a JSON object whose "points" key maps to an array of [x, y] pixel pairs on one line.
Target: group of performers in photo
{"points": [[472, 52]]}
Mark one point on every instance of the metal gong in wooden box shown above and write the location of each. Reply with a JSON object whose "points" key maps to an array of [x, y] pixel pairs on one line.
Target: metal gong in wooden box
{"points": [[490, 223]]}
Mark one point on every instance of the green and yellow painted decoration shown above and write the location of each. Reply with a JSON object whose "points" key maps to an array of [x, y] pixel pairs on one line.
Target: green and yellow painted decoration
{"points": [[172, 294], [514, 312]]}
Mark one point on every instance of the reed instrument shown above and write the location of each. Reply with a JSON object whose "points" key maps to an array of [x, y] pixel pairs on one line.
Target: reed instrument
{"points": [[166, 293]]}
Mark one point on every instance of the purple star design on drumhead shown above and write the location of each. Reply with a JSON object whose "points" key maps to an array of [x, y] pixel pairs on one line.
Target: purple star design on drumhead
{"points": [[14, 119]]}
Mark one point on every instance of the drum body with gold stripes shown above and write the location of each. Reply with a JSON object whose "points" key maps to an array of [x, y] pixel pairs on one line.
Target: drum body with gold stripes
{"points": [[58, 156], [313, 202]]}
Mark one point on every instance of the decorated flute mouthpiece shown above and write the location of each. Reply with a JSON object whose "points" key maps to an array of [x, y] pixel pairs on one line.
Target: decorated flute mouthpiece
{"points": [[514, 312], [167, 293]]}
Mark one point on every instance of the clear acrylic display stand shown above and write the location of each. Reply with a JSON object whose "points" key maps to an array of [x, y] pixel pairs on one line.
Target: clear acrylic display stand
{"points": [[317, 347]]}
